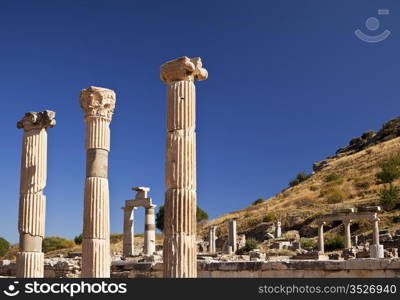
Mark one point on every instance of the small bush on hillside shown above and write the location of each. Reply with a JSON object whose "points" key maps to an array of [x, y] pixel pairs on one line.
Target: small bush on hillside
{"points": [[332, 177], [333, 195], [389, 197], [303, 202], [361, 184], [334, 243], [248, 215], [52, 243], [269, 217], [308, 243], [390, 170], [299, 178], [78, 239], [396, 219], [250, 245], [314, 188], [258, 201], [4, 246]]}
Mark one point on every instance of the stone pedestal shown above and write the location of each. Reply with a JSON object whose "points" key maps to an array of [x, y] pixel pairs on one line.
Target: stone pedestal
{"points": [[150, 231], [232, 235], [376, 251], [32, 202], [98, 105], [180, 251]]}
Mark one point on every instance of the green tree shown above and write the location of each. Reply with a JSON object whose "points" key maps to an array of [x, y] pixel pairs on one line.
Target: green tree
{"points": [[78, 239], [4, 246], [250, 245], [200, 216], [389, 196], [299, 178]]}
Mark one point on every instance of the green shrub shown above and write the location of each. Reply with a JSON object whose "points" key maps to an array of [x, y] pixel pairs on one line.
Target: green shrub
{"points": [[314, 188], [332, 194], [250, 245], [389, 197], [78, 239], [308, 243], [332, 177], [52, 243], [4, 246], [200, 216], [396, 219], [390, 170], [299, 178], [258, 201], [269, 217], [335, 242]]}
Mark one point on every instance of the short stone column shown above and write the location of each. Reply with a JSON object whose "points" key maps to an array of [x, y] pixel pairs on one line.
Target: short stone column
{"points": [[149, 230], [212, 238], [278, 229], [180, 250], [128, 247], [98, 105], [32, 202], [321, 246], [347, 234], [376, 250], [232, 235]]}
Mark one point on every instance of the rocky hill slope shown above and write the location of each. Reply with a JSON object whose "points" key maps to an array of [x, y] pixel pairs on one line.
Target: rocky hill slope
{"points": [[346, 179]]}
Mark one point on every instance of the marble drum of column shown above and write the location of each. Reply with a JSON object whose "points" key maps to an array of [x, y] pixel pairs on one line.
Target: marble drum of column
{"points": [[128, 237], [150, 230], [98, 105], [32, 202], [180, 253]]}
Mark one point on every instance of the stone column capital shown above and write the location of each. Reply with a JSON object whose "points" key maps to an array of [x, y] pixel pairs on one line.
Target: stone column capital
{"points": [[97, 102], [183, 68], [37, 120]]}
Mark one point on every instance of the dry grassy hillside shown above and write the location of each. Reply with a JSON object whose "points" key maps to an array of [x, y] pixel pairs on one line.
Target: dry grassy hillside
{"points": [[348, 181]]}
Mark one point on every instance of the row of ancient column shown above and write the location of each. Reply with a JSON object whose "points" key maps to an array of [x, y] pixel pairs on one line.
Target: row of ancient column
{"points": [[180, 202], [376, 250]]}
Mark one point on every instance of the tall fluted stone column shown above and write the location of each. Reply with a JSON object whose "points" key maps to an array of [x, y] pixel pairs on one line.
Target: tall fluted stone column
{"points": [[321, 246], [347, 234], [232, 235], [149, 230], [98, 105], [128, 247], [32, 202], [375, 230], [376, 250], [212, 238], [180, 198]]}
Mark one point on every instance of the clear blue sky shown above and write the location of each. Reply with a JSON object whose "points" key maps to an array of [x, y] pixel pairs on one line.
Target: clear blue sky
{"points": [[288, 84]]}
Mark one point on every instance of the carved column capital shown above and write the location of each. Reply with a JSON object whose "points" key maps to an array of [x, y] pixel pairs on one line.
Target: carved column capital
{"points": [[37, 120], [97, 102], [183, 68]]}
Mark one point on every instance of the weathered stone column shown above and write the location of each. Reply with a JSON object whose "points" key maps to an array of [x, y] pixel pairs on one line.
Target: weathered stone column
{"points": [[347, 234], [376, 250], [128, 247], [149, 230], [278, 229], [212, 238], [321, 246], [98, 105], [232, 235], [180, 253], [32, 202]]}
